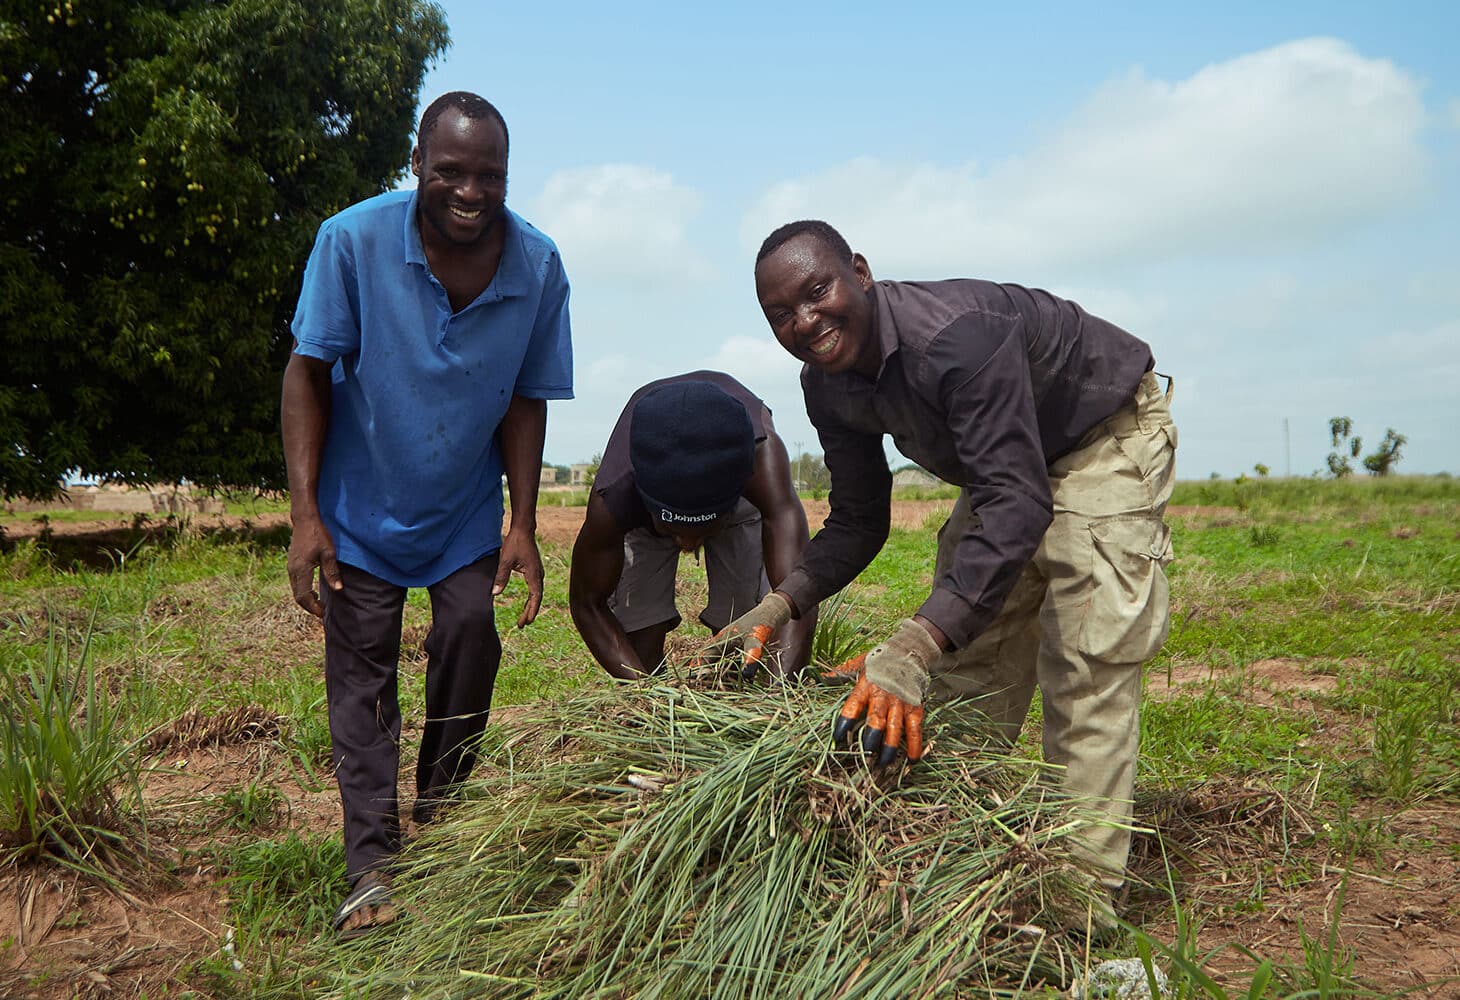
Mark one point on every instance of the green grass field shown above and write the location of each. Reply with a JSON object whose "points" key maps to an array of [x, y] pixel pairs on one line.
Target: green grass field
{"points": [[168, 826]]}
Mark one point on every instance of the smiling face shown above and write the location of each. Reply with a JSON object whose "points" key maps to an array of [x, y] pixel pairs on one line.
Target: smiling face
{"points": [[462, 171], [819, 305]]}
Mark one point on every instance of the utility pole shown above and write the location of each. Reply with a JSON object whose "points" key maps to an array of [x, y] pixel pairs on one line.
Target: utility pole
{"points": [[800, 466]]}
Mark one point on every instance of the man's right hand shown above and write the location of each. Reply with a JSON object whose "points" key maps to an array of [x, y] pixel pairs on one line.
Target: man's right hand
{"points": [[746, 635], [311, 546]]}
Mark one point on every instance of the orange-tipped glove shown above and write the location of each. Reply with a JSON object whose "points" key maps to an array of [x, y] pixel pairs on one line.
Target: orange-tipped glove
{"points": [[748, 634], [890, 694], [848, 672]]}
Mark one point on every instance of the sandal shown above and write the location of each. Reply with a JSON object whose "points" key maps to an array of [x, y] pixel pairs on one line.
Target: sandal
{"points": [[372, 891]]}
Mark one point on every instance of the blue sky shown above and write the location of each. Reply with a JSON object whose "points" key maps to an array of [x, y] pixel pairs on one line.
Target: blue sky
{"points": [[1267, 194]]}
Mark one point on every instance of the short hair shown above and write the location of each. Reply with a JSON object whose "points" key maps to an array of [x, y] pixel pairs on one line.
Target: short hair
{"points": [[821, 231], [470, 106]]}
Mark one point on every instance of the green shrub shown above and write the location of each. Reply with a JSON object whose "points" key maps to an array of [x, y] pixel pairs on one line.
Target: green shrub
{"points": [[70, 781]]}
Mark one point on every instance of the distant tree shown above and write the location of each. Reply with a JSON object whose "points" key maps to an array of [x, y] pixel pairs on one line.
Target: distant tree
{"points": [[166, 166], [1340, 464], [1261, 470], [591, 473], [1380, 462], [562, 475], [809, 473]]}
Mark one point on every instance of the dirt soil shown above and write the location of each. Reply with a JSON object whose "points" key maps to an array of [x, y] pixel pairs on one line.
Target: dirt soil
{"points": [[1252, 865], [558, 525]]}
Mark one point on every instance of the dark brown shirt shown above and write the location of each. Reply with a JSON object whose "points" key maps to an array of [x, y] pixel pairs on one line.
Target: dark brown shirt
{"points": [[983, 385], [615, 481]]}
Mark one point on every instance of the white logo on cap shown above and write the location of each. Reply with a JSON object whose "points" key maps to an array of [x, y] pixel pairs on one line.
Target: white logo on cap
{"points": [[665, 514]]}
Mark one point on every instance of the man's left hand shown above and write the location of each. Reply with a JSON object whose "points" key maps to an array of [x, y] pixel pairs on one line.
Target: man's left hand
{"points": [[890, 693], [888, 719], [519, 553]]}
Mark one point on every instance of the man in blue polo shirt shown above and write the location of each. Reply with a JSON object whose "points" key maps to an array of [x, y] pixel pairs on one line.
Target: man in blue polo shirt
{"points": [[431, 330]]}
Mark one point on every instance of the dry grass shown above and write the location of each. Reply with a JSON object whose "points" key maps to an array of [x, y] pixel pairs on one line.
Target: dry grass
{"points": [[198, 729]]}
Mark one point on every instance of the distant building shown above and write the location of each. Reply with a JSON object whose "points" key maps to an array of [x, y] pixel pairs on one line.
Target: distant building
{"points": [[914, 477], [578, 474], [547, 476]]}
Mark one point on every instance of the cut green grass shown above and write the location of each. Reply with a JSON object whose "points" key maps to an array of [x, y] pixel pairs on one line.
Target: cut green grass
{"points": [[669, 842]]}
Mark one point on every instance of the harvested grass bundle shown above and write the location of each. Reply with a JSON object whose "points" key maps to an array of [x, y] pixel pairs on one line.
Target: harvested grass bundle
{"points": [[669, 842], [195, 728]]}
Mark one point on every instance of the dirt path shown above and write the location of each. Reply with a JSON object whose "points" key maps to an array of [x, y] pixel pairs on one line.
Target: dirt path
{"points": [[555, 524]]}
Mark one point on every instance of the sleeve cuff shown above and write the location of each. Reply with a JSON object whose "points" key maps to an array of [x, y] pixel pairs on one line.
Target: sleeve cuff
{"points": [[317, 351], [543, 392], [798, 587], [953, 616]]}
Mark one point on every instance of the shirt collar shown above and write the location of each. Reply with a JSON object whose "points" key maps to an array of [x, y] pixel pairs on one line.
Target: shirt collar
{"points": [[513, 276]]}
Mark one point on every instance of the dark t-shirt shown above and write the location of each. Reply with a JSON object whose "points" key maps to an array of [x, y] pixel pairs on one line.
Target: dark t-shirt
{"points": [[984, 385], [615, 479]]}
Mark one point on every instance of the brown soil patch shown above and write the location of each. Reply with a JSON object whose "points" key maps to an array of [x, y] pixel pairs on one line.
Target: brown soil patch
{"points": [[1260, 872], [560, 525], [74, 939], [557, 525], [108, 529], [1263, 681]]}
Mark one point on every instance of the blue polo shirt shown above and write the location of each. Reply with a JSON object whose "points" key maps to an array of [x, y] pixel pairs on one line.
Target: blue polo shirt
{"points": [[411, 477]]}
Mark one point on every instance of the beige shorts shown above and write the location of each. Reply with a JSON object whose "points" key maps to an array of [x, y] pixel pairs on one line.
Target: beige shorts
{"points": [[734, 564]]}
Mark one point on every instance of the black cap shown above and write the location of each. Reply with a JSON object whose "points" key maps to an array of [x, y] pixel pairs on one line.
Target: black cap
{"points": [[692, 447]]}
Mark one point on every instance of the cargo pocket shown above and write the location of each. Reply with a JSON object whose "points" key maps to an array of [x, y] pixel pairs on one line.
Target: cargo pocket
{"points": [[1128, 614]]}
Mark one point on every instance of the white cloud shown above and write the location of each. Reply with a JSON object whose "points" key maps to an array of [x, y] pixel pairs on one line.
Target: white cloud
{"points": [[1145, 314], [1279, 146], [612, 370], [1432, 353], [620, 221]]}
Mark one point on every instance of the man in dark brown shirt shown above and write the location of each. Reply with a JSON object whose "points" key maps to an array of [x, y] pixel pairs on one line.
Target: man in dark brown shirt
{"points": [[1050, 566]]}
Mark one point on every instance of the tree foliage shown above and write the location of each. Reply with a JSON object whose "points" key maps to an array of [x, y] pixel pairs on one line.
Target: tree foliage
{"points": [[166, 165], [1347, 447], [1339, 463], [1381, 461], [810, 473]]}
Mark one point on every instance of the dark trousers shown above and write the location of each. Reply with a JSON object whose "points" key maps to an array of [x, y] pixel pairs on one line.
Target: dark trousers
{"points": [[362, 627]]}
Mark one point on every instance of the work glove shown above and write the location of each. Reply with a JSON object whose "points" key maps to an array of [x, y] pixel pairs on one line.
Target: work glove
{"points": [[848, 672], [748, 634], [890, 694]]}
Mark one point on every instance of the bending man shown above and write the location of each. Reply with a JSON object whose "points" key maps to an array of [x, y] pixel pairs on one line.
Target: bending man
{"points": [[1050, 568], [693, 462]]}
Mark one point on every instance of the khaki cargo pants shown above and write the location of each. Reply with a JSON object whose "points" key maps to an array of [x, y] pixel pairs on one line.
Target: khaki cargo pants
{"points": [[1089, 609]]}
